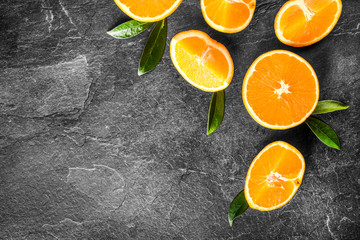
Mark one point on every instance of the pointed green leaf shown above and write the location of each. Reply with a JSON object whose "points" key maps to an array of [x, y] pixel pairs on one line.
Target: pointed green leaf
{"points": [[237, 207], [154, 48], [327, 106], [129, 29], [323, 132], [216, 111]]}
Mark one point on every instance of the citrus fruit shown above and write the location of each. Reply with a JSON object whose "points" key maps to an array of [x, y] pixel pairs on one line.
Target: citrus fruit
{"points": [[301, 23], [148, 10], [202, 61], [228, 16], [280, 90], [274, 176]]}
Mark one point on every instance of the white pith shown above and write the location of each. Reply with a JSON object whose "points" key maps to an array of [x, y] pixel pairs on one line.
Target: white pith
{"points": [[307, 12], [284, 88]]}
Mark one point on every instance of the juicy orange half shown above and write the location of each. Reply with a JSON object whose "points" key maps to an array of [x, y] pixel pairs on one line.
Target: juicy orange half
{"points": [[274, 176], [148, 10], [202, 61], [301, 23], [228, 16], [280, 90]]}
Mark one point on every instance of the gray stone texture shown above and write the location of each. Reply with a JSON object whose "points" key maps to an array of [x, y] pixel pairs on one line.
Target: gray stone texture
{"points": [[89, 150]]}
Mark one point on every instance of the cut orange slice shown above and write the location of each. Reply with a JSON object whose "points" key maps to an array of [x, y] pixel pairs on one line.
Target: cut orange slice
{"points": [[301, 23], [274, 176], [280, 90], [148, 10], [202, 61], [228, 16]]}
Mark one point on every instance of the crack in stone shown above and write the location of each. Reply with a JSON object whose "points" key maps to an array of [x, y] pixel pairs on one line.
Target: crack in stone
{"points": [[49, 16], [328, 227], [67, 14]]}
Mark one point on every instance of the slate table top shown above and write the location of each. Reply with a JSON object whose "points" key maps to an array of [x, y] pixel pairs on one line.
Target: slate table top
{"points": [[89, 150]]}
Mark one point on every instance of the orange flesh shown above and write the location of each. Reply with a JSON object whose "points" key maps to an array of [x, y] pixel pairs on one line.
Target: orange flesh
{"points": [[274, 177], [202, 62], [304, 25], [148, 8], [281, 90], [229, 14]]}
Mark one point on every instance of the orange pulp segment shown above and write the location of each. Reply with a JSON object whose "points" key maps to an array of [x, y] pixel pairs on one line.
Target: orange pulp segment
{"points": [[228, 16], [202, 61], [301, 23], [148, 10], [280, 90], [274, 176]]}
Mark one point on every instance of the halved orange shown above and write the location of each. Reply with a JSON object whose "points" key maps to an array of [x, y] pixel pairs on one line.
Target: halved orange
{"points": [[301, 23], [148, 10], [228, 16], [274, 176], [280, 90], [202, 61]]}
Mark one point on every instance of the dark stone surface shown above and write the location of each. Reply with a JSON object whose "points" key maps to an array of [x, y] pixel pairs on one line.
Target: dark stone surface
{"points": [[89, 150]]}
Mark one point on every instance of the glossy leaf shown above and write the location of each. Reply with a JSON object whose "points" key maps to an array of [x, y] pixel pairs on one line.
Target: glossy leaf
{"points": [[154, 48], [216, 111], [323, 132], [129, 29], [327, 106], [238, 206]]}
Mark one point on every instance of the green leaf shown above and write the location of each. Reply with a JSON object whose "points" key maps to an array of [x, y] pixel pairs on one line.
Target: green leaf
{"points": [[327, 106], [129, 29], [323, 132], [154, 48], [216, 111], [237, 207]]}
